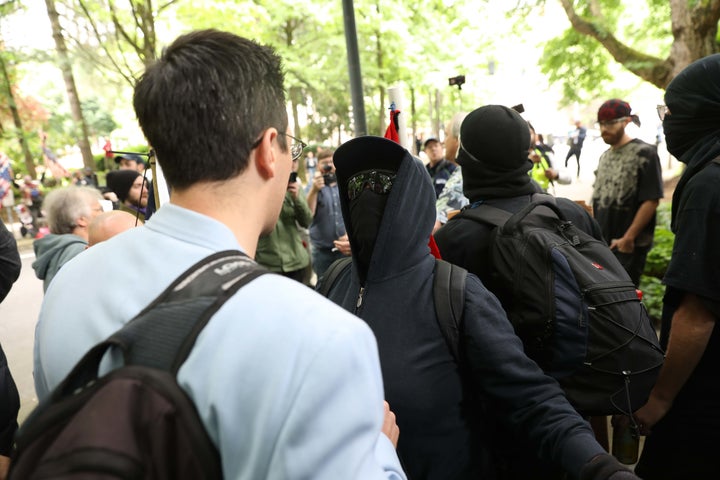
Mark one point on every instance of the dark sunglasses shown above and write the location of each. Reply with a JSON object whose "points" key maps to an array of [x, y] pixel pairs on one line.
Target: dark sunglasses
{"points": [[378, 181]]}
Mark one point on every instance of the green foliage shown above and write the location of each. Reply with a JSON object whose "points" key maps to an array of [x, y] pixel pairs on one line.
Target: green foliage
{"points": [[653, 292], [657, 262], [578, 63], [659, 257], [98, 120]]}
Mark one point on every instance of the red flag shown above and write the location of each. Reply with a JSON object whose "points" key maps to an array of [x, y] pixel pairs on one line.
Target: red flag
{"points": [[392, 131], [434, 250]]}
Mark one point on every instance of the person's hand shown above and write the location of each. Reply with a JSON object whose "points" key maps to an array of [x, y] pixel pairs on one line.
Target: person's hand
{"points": [[343, 245], [318, 182], [606, 467], [651, 413], [110, 196], [294, 188], [437, 226], [534, 156], [623, 245], [551, 174], [390, 428]]}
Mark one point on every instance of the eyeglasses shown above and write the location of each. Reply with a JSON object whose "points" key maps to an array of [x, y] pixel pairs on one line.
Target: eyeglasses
{"points": [[377, 181], [607, 123], [296, 148], [663, 111]]}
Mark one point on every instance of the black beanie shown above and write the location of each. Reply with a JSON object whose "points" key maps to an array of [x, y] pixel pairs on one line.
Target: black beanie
{"points": [[120, 181], [494, 144]]}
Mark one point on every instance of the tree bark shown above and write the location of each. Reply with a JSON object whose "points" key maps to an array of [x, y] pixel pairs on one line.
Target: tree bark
{"points": [[19, 130], [71, 89]]}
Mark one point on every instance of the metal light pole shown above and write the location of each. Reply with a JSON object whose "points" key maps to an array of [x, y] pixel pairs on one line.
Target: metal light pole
{"points": [[356, 90]]}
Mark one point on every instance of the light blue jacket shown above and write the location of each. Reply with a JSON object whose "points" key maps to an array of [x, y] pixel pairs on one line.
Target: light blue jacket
{"points": [[287, 384]]}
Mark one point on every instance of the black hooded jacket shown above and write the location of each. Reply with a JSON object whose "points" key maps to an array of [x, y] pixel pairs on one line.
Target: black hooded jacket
{"points": [[437, 408]]}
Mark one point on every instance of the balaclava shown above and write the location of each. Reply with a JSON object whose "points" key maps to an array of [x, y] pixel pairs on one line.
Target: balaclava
{"points": [[692, 126], [367, 209], [493, 153], [693, 98]]}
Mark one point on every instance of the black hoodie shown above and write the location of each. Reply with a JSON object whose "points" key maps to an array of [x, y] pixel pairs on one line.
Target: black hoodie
{"points": [[438, 412]]}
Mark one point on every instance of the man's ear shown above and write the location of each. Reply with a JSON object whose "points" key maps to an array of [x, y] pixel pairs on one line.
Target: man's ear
{"points": [[265, 154], [82, 222]]}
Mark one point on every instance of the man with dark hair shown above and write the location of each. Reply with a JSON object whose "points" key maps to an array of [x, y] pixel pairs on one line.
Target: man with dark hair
{"points": [[628, 187], [682, 415], [282, 392]]}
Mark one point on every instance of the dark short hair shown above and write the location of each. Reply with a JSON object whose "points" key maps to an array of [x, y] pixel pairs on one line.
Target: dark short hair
{"points": [[204, 103]]}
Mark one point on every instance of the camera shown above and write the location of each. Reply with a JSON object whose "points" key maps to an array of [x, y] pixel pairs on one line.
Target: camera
{"points": [[293, 177], [329, 178], [459, 81], [326, 168]]}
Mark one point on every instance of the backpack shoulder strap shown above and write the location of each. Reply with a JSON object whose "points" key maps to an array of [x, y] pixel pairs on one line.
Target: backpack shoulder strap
{"points": [[331, 275], [163, 334], [449, 299], [485, 213]]}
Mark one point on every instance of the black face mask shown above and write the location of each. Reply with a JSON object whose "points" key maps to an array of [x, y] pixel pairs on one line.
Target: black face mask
{"points": [[680, 134], [366, 212]]}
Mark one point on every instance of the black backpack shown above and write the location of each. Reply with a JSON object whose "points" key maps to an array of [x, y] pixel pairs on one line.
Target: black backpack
{"points": [[573, 305], [135, 422], [448, 294]]}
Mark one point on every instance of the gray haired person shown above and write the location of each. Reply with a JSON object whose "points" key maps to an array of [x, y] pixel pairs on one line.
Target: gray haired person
{"points": [[68, 212]]}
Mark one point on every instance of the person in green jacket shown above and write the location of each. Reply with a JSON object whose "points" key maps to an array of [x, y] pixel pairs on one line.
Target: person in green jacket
{"points": [[283, 251]]}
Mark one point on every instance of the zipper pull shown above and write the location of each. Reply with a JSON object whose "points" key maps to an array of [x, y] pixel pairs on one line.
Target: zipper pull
{"points": [[360, 297]]}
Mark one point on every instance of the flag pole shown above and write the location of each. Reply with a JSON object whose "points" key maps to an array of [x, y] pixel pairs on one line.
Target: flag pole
{"points": [[395, 95]]}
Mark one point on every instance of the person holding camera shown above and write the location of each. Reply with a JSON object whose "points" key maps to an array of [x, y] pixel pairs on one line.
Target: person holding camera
{"points": [[327, 232], [282, 251]]}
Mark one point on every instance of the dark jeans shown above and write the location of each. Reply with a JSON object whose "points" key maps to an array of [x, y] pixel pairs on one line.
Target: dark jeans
{"points": [[322, 258], [574, 151]]}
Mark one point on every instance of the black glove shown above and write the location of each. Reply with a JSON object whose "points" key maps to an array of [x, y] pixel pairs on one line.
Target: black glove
{"points": [[606, 467]]}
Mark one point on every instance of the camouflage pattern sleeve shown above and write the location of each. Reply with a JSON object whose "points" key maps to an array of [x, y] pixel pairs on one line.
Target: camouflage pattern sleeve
{"points": [[452, 197]]}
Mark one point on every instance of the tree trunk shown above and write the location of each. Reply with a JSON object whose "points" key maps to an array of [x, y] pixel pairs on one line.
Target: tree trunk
{"points": [[66, 67], [19, 130], [694, 30]]}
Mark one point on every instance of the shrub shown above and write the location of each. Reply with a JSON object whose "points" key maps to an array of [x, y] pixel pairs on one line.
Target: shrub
{"points": [[657, 262]]}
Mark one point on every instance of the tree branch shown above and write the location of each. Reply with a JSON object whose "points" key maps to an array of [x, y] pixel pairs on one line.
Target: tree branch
{"points": [[652, 69], [103, 45]]}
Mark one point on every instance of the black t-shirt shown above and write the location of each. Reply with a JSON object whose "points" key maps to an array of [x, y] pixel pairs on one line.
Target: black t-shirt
{"points": [[625, 178], [695, 268]]}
